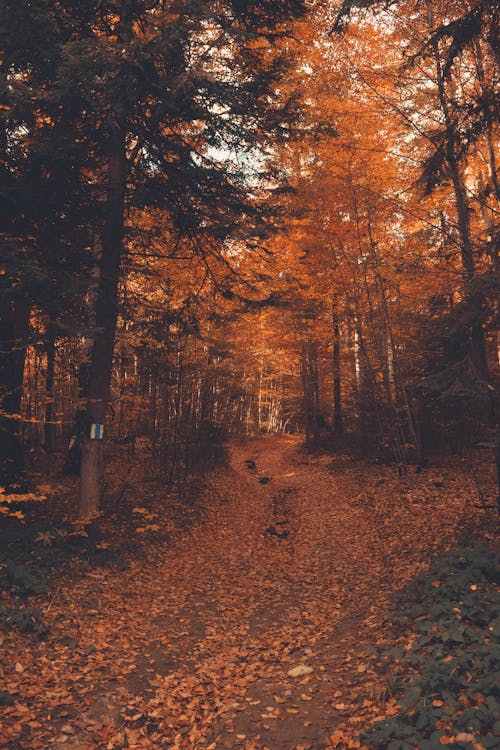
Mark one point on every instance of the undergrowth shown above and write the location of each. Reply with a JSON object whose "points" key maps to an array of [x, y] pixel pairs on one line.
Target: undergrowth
{"points": [[31, 557], [449, 618]]}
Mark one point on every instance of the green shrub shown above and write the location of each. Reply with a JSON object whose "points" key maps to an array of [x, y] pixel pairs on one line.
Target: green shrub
{"points": [[27, 619], [451, 691], [26, 580]]}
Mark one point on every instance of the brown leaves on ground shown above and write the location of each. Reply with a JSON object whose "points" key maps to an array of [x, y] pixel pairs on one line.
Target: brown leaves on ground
{"points": [[193, 645]]}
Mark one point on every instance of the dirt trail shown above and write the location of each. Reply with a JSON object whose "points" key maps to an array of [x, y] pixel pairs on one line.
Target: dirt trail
{"points": [[291, 565]]}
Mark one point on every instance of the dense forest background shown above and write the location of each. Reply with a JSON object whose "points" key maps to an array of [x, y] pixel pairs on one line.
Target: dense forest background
{"points": [[233, 218], [249, 374]]}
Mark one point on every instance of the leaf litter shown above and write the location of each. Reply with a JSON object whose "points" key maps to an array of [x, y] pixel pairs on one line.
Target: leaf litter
{"points": [[232, 637]]}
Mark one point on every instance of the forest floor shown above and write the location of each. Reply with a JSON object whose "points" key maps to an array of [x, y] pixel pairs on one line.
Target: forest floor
{"points": [[192, 642]]}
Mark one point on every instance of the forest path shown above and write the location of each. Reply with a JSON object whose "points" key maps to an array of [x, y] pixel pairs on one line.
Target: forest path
{"points": [[291, 564]]}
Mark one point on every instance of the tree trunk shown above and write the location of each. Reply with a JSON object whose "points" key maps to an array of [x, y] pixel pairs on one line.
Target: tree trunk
{"points": [[306, 390], [478, 350], [48, 441], [14, 328], [476, 299], [356, 362], [106, 314], [315, 387], [488, 96], [338, 427]]}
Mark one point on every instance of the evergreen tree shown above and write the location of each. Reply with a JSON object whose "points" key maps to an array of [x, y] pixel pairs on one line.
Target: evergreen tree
{"points": [[136, 103], [42, 203]]}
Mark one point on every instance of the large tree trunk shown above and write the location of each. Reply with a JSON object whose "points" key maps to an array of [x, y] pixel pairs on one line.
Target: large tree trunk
{"points": [[106, 314], [475, 299], [14, 329], [72, 463]]}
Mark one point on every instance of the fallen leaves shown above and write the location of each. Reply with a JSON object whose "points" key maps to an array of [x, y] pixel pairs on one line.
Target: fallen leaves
{"points": [[205, 642]]}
